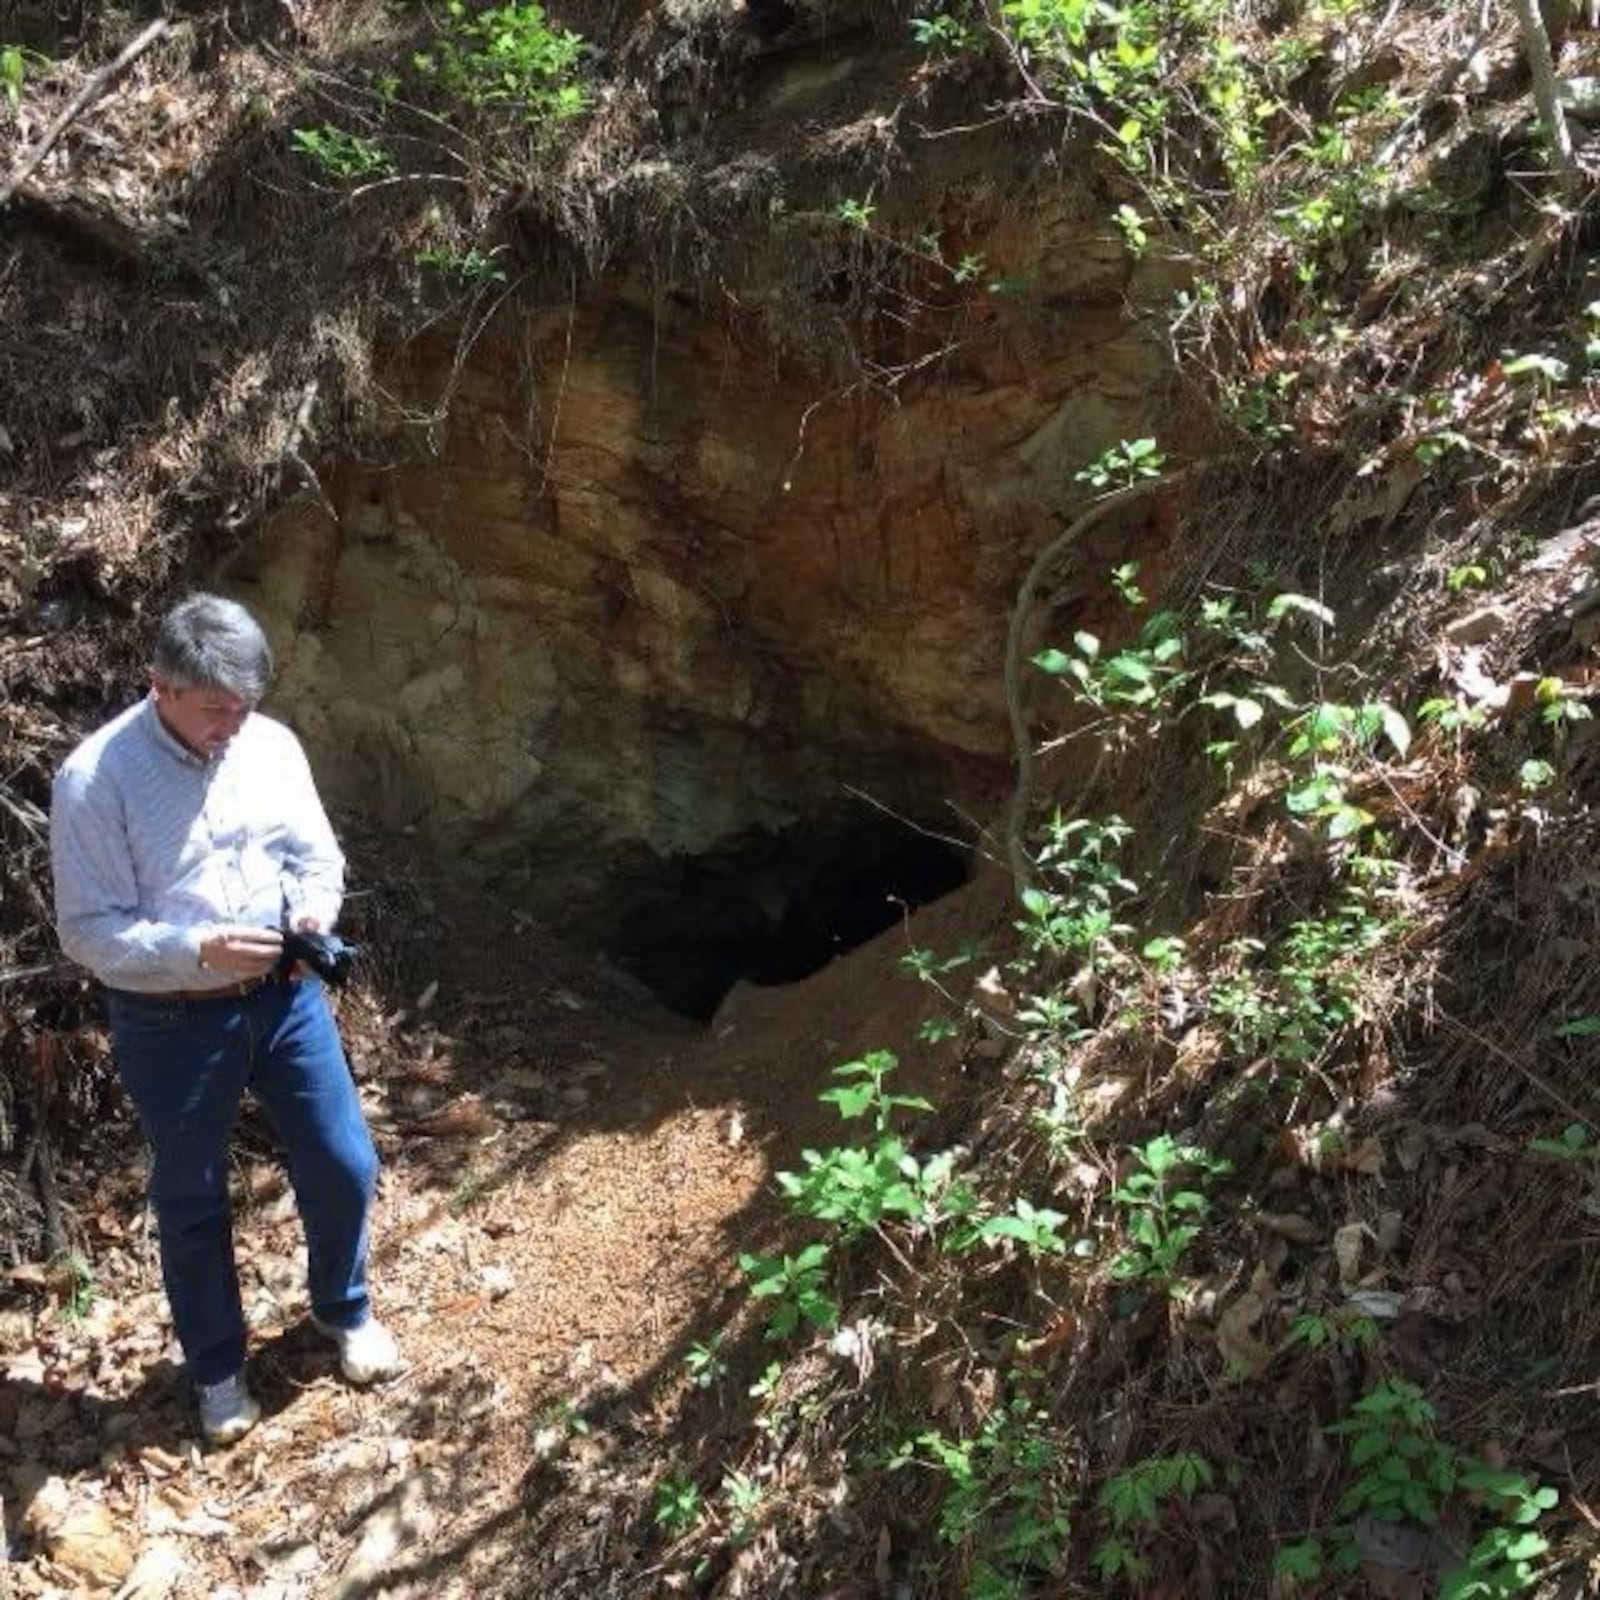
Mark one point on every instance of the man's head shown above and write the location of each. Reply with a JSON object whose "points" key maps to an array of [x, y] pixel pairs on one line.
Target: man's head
{"points": [[210, 667]]}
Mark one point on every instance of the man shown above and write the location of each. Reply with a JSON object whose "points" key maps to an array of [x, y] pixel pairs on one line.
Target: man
{"points": [[186, 835]]}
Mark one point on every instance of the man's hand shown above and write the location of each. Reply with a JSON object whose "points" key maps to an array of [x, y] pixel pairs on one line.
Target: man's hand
{"points": [[243, 952]]}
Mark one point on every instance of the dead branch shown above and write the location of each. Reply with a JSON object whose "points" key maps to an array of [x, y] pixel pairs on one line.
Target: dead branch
{"points": [[91, 91], [39, 1160], [1536, 45]]}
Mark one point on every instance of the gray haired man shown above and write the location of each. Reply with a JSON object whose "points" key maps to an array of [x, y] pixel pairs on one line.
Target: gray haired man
{"points": [[187, 835]]}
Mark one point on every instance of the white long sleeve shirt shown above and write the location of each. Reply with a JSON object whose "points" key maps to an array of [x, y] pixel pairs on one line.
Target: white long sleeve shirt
{"points": [[153, 846]]}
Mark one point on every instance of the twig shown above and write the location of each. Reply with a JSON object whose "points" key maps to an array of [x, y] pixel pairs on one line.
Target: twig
{"points": [[1022, 743], [1511, 1061], [78, 104], [896, 816], [1536, 46]]}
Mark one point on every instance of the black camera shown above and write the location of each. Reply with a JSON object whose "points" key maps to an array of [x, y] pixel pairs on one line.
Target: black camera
{"points": [[326, 954]]}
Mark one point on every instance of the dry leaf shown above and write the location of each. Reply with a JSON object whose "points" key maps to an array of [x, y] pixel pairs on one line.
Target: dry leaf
{"points": [[79, 1536], [465, 1117], [1290, 1225], [1240, 1348], [1347, 1252]]}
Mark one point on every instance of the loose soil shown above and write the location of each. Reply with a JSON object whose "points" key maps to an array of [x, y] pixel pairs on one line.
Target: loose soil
{"points": [[569, 1175]]}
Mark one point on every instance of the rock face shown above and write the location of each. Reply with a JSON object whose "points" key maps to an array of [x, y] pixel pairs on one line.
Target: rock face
{"points": [[655, 598]]}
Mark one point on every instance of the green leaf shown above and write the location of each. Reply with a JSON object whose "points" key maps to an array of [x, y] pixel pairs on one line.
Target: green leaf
{"points": [[1282, 604], [1055, 662], [1579, 1028], [1548, 367]]}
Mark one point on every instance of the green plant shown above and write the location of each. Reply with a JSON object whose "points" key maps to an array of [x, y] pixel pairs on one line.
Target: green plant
{"points": [[1077, 917], [1577, 1148], [15, 63], [1558, 705], [1038, 1231], [930, 968], [855, 214], [799, 1285], [1545, 371], [1146, 676], [1289, 604], [1500, 1562], [1401, 1472], [76, 1279], [1122, 465], [1300, 1562], [1000, 1499], [1326, 738], [743, 1496], [705, 1363], [1162, 1221], [1290, 1001], [1433, 447], [1578, 1028], [509, 57], [340, 154], [1133, 1501], [946, 31], [1451, 716], [678, 1505], [1534, 775], [855, 1187], [1164, 954], [1258, 407], [1343, 1330], [1132, 225], [465, 266]]}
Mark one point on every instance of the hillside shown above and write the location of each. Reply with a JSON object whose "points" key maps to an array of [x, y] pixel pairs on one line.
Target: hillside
{"points": [[954, 645]]}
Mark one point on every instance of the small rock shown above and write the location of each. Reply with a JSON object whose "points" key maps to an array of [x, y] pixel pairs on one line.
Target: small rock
{"points": [[497, 1282], [1478, 627]]}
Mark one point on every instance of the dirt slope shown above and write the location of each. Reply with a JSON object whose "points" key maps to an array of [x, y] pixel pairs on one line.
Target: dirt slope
{"points": [[569, 1176]]}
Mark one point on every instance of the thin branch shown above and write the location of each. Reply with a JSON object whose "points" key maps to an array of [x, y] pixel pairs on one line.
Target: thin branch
{"points": [[1536, 46], [1021, 741], [91, 91]]}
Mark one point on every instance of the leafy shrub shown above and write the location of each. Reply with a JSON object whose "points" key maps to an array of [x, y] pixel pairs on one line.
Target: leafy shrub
{"points": [[342, 155], [509, 57]]}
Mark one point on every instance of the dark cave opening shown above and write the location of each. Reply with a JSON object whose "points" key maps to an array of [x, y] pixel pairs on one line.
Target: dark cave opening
{"points": [[772, 907]]}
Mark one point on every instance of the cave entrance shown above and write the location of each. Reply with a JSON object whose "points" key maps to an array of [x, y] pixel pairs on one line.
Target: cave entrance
{"points": [[772, 907]]}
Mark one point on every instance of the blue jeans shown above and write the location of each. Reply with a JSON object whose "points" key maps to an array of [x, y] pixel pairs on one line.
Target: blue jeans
{"points": [[186, 1065]]}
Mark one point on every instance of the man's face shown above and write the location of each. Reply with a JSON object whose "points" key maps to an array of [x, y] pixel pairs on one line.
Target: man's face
{"points": [[203, 719]]}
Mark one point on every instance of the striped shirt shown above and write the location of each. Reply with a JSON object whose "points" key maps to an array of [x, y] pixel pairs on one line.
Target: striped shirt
{"points": [[153, 846]]}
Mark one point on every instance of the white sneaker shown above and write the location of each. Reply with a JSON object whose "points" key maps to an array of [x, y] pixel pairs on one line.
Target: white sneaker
{"points": [[367, 1354], [227, 1411]]}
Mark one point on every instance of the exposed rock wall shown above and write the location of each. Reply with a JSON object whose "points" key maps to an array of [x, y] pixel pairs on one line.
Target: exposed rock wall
{"points": [[651, 589]]}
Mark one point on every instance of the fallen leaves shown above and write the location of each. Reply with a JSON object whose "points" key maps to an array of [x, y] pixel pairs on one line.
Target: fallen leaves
{"points": [[78, 1534]]}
